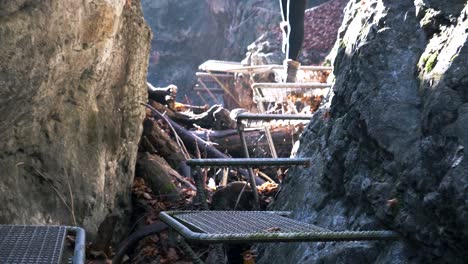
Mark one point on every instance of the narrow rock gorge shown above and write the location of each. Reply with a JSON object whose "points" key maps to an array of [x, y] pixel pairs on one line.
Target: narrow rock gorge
{"points": [[190, 32], [72, 75], [390, 151]]}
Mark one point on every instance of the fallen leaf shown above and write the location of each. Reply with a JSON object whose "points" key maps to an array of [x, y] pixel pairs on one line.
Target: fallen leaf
{"points": [[172, 254], [273, 229]]}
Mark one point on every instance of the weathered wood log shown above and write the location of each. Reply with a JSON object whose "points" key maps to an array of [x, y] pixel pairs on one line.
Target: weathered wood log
{"points": [[229, 140], [196, 109], [160, 143], [216, 117], [176, 116], [163, 95], [158, 174], [194, 144]]}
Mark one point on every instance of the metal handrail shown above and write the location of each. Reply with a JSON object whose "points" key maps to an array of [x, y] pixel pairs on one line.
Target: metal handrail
{"points": [[79, 251], [248, 162]]}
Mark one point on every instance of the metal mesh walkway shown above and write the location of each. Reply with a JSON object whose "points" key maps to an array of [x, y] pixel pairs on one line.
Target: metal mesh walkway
{"points": [[243, 222], [31, 244], [257, 226]]}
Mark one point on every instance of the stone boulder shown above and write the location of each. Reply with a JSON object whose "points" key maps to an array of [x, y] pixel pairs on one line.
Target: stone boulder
{"points": [[72, 75], [390, 151]]}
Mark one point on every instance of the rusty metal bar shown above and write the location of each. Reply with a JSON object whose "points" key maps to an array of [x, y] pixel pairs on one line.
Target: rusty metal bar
{"points": [[200, 184], [250, 170], [270, 142]]}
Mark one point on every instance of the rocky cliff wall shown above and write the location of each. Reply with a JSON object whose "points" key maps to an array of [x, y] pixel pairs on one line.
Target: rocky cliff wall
{"points": [[321, 24], [72, 75], [189, 32], [390, 151]]}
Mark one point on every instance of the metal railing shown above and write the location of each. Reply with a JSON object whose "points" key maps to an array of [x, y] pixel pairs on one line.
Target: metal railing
{"points": [[245, 163]]}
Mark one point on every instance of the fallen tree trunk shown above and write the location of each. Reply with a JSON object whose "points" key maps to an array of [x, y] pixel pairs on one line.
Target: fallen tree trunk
{"points": [[216, 117], [159, 142], [158, 174], [194, 145]]}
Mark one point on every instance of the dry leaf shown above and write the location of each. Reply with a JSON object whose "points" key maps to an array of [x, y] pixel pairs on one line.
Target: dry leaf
{"points": [[248, 257], [273, 229], [172, 254]]}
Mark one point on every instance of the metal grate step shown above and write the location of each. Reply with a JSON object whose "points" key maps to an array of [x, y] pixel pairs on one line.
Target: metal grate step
{"points": [[257, 226], [243, 222], [31, 244]]}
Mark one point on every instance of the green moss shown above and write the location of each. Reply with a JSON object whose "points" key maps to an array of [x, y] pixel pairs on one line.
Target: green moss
{"points": [[343, 44], [327, 62], [453, 57], [430, 62], [168, 188], [423, 60]]}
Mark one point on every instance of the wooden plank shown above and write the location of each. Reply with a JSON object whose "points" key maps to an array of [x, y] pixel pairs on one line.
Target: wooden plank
{"points": [[237, 67], [213, 90], [314, 85]]}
